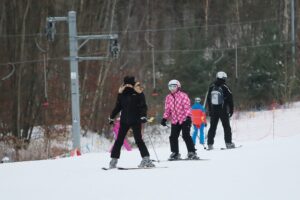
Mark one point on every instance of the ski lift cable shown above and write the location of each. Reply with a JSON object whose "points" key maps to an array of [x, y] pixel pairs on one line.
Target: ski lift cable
{"points": [[11, 72], [39, 47], [152, 30], [185, 51]]}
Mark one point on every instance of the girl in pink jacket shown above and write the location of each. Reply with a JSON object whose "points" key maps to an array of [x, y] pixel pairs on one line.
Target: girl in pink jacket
{"points": [[116, 131], [178, 111]]}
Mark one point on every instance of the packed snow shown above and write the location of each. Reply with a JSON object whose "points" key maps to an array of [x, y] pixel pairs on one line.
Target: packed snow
{"points": [[266, 167]]}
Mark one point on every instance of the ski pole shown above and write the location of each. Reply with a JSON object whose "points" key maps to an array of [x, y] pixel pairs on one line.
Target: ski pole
{"points": [[151, 120], [204, 147], [153, 148], [205, 100]]}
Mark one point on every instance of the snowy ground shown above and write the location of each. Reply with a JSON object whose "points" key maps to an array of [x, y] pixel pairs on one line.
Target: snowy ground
{"points": [[265, 168]]}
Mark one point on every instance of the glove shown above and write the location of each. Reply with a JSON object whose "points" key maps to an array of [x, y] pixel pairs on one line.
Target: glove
{"points": [[207, 113], [163, 122], [230, 113], [144, 119], [111, 121]]}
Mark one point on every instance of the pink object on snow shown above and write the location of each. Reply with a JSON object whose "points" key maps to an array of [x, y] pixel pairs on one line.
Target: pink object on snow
{"points": [[116, 131]]}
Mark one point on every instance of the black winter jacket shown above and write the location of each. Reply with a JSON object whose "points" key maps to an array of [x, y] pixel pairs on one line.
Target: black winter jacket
{"points": [[228, 100], [132, 106]]}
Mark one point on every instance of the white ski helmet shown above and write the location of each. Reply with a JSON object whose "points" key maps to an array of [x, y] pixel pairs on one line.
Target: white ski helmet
{"points": [[174, 82], [174, 85], [221, 75], [198, 99]]}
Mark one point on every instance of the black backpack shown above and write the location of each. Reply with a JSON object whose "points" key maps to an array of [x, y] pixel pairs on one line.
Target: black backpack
{"points": [[217, 96]]}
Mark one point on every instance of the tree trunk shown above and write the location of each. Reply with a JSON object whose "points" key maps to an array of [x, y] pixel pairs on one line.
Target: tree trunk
{"points": [[2, 17], [237, 13], [286, 21], [22, 57], [102, 77], [206, 17], [19, 141]]}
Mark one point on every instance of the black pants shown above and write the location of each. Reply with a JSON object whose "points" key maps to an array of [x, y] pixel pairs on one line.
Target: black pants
{"points": [[214, 119], [175, 132], [136, 129]]}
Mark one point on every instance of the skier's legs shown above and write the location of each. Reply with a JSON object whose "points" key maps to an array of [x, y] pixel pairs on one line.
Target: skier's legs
{"points": [[212, 129], [202, 136], [194, 137], [226, 126], [116, 150], [186, 128], [137, 134], [175, 131]]}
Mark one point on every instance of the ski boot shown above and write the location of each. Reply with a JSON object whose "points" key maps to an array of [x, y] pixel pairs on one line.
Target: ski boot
{"points": [[210, 147], [146, 162], [192, 156], [230, 145], [174, 156], [113, 163]]}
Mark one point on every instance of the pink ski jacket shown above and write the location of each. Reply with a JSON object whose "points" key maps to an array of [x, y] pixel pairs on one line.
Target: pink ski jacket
{"points": [[177, 107]]}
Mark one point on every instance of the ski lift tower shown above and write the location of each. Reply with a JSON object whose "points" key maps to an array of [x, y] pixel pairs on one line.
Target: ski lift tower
{"points": [[74, 58]]}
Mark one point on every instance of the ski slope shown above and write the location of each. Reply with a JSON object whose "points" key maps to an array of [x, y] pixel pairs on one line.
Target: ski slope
{"points": [[267, 167]]}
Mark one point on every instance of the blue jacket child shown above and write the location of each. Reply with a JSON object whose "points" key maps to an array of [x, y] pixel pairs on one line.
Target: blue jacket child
{"points": [[199, 120]]}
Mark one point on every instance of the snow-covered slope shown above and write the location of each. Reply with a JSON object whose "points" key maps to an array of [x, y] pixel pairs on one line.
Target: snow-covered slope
{"points": [[265, 168]]}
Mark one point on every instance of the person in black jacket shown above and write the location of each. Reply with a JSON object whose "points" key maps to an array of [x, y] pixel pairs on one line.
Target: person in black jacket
{"points": [[132, 105], [220, 106]]}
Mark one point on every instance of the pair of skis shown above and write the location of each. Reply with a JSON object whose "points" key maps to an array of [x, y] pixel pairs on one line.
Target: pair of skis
{"points": [[182, 159], [224, 148], [133, 168], [157, 167]]}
